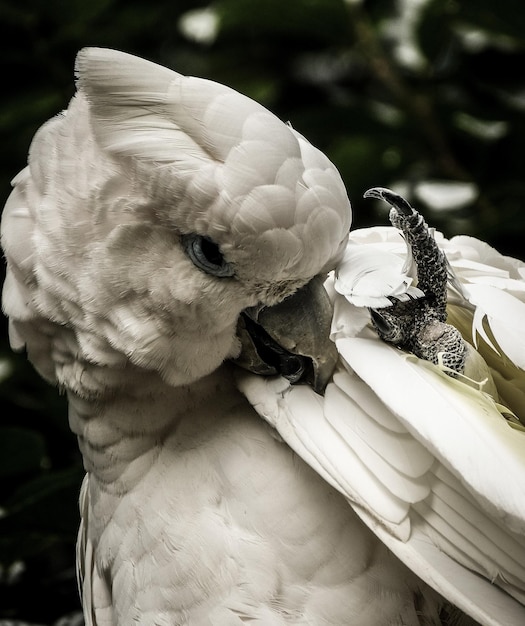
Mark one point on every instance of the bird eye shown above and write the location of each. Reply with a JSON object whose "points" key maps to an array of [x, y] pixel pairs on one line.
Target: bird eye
{"points": [[206, 255]]}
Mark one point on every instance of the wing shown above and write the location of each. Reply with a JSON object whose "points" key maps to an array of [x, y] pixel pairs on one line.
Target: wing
{"points": [[94, 590], [428, 461]]}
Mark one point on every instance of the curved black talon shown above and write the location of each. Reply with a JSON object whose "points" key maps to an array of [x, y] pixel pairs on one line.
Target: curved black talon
{"points": [[393, 198]]}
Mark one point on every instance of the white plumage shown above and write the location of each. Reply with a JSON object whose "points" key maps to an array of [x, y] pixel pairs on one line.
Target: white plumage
{"points": [[420, 458], [151, 214], [371, 277]]}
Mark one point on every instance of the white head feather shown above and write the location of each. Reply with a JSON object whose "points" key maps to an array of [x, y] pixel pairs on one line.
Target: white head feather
{"points": [[142, 156]]}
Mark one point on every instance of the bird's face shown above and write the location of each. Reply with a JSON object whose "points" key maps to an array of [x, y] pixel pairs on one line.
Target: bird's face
{"points": [[170, 297], [165, 206]]}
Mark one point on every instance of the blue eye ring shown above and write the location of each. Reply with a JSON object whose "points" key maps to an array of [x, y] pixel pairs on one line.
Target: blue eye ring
{"points": [[206, 255]]}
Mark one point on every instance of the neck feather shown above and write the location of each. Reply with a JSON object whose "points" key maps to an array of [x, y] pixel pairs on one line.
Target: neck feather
{"points": [[121, 433]]}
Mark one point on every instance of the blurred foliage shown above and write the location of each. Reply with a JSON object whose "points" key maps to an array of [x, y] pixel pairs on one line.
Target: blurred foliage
{"points": [[402, 94]]}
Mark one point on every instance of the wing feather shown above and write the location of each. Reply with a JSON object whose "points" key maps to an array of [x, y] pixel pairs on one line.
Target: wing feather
{"points": [[93, 588], [85, 557], [294, 412], [456, 518], [505, 315], [426, 460], [447, 415], [397, 457], [371, 276]]}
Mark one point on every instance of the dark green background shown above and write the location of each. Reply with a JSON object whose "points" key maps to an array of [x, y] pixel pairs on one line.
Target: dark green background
{"points": [[333, 71]]}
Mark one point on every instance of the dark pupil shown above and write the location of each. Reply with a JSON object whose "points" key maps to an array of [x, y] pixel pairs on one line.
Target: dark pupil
{"points": [[211, 251]]}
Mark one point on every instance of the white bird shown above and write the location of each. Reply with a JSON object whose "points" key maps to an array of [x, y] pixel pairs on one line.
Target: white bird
{"points": [[160, 222]]}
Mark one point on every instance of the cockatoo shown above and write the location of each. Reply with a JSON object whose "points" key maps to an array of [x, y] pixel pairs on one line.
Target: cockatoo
{"points": [[168, 225]]}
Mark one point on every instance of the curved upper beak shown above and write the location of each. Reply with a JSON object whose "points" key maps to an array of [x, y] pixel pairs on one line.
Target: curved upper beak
{"points": [[291, 338]]}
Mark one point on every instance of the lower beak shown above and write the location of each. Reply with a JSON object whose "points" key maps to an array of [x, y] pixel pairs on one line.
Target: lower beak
{"points": [[291, 339]]}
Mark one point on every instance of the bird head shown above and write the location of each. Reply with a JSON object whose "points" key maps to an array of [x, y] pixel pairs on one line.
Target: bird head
{"points": [[154, 211]]}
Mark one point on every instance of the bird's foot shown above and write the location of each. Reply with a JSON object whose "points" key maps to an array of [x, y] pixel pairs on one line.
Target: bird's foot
{"points": [[419, 325]]}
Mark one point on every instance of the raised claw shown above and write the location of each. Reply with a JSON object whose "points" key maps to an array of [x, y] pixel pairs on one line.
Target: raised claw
{"points": [[420, 325], [393, 198]]}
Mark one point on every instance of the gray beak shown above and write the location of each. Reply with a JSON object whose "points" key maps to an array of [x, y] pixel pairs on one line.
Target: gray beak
{"points": [[291, 339]]}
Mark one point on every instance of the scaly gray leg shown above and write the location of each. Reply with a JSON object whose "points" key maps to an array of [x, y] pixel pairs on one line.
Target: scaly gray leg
{"points": [[419, 325]]}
